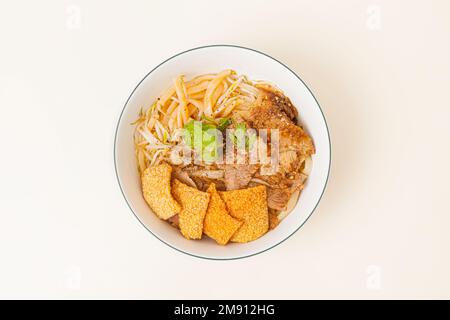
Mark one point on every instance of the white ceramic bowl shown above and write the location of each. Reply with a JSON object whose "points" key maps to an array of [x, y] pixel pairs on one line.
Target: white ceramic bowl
{"points": [[258, 66]]}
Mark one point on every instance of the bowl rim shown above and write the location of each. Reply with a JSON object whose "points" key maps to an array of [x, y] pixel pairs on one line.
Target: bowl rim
{"points": [[200, 48]]}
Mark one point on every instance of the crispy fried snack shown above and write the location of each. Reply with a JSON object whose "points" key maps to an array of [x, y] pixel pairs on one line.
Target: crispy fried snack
{"points": [[218, 224], [249, 205], [156, 191], [194, 204]]}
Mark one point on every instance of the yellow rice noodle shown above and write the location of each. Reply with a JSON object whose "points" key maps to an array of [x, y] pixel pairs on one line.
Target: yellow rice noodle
{"points": [[212, 95]]}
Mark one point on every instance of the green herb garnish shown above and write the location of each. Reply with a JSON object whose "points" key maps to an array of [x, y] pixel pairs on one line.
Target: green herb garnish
{"points": [[203, 138], [223, 123]]}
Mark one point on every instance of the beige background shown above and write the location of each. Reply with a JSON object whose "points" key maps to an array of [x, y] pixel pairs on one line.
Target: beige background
{"points": [[380, 71]]}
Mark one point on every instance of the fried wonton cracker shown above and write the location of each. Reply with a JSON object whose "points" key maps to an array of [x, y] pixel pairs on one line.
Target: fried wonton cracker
{"points": [[218, 224], [156, 191], [249, 205], [193, 209]]}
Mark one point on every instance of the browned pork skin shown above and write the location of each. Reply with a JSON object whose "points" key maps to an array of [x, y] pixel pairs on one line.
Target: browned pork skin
{"points": [[273, 110]]}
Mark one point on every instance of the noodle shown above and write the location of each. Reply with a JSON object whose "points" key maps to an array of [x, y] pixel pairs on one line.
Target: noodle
{"points": [[198, 88], [208, 100], [166, 96], [172, 107], [215, 95]]}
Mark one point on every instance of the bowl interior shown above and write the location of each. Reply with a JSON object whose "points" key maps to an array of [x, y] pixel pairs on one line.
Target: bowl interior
{"points": [[256, 66]]}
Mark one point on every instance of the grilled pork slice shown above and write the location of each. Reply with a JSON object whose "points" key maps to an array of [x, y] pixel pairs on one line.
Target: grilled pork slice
{"points": [[179, 173], [201, 176], [277, 198], [237, 176], [273, 110], [174, 221]]}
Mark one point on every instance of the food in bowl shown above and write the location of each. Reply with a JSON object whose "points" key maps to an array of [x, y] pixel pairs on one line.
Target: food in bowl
{"points": [[221, 155]]}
